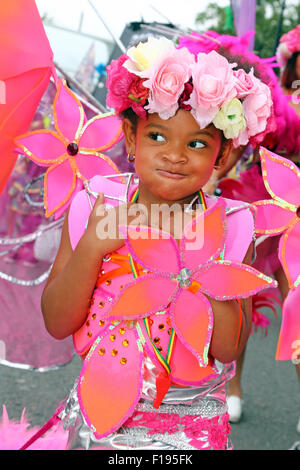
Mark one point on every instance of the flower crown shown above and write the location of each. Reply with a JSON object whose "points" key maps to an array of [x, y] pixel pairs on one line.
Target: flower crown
{"points": [[289, 43], [157, 77]]}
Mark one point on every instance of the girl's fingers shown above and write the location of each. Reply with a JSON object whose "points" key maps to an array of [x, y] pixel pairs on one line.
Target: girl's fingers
{"points": [[99, 200], [99, 207]]}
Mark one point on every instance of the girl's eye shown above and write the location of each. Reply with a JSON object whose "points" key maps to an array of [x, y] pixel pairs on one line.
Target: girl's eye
{"points": [[156, 136], [197, 144]]}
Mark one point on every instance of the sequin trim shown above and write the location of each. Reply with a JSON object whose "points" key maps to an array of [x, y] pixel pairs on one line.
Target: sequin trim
{"points": [[278, 230], [67, 198], [109, 144], [203, 357], [242, 267], [36, 159], [81, 111]]}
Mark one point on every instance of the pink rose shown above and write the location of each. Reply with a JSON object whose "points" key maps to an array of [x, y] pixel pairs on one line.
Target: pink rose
{"points": [[257, 109], [245, 83], [214, 84], [138, 92], [167, 82], [118, 82]]}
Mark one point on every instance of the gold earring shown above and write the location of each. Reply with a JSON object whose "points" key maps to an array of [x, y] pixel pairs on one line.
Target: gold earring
{"points": [[130, 158]]}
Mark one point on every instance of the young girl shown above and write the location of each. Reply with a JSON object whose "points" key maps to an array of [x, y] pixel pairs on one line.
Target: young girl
{"points": [[155, 363]]}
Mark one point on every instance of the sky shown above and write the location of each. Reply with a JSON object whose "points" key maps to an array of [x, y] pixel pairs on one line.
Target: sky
{"points": [[117, 12], [70, 48]]}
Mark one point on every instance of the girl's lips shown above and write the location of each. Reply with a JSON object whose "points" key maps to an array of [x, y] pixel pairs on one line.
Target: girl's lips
{"points": [[168, 174]]}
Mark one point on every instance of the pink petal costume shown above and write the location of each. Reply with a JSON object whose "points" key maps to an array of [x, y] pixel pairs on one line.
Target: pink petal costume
{"points": [[280, 215], [137, 328]]}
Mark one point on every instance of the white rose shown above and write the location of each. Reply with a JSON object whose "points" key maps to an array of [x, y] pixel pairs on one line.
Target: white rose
{"points": [[146, 54], [230, 119]]}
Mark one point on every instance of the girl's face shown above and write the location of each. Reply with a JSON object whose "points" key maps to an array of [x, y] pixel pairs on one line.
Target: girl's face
{"points": [[174, 158]]}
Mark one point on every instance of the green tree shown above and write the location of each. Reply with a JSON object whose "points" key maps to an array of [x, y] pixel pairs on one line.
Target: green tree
{"points": [[217, 18], [267, 21]]}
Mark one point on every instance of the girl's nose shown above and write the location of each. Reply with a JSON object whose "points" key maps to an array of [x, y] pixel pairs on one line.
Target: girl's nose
{"points": [[175, 156]]}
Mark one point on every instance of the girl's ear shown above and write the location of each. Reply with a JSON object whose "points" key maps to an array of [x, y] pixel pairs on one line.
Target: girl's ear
{"points": [[224, 153], [129, 132]]}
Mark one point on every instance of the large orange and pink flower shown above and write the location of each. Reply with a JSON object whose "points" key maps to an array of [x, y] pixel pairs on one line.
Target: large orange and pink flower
{"points": [[73, 152], [174, 279]]}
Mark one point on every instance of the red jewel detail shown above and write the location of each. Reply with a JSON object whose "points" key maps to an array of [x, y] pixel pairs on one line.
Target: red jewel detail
{"points": [[298, 212], [72, 149]]}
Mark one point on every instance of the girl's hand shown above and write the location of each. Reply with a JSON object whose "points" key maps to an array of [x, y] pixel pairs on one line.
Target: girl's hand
{"points": [[103, 224]]}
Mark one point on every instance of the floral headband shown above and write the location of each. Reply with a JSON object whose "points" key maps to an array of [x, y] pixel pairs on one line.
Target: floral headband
{"points": [[157, 77], [289, 43]]}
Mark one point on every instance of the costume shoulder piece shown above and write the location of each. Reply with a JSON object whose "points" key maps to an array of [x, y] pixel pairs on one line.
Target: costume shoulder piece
{"points": [[240, 232], [115, 190]]}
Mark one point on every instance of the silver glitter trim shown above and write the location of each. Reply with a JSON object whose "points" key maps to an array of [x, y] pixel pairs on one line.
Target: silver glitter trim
{"points": [[19, 365], [123, 199], [32, 236], [28, 187], [246, 205], [22, 282], [177, 440], [204, 408]]}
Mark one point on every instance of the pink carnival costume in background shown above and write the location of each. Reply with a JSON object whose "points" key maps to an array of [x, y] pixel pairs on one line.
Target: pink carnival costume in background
{"points": [[281, 215], [289, 43], [29, 242]]}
